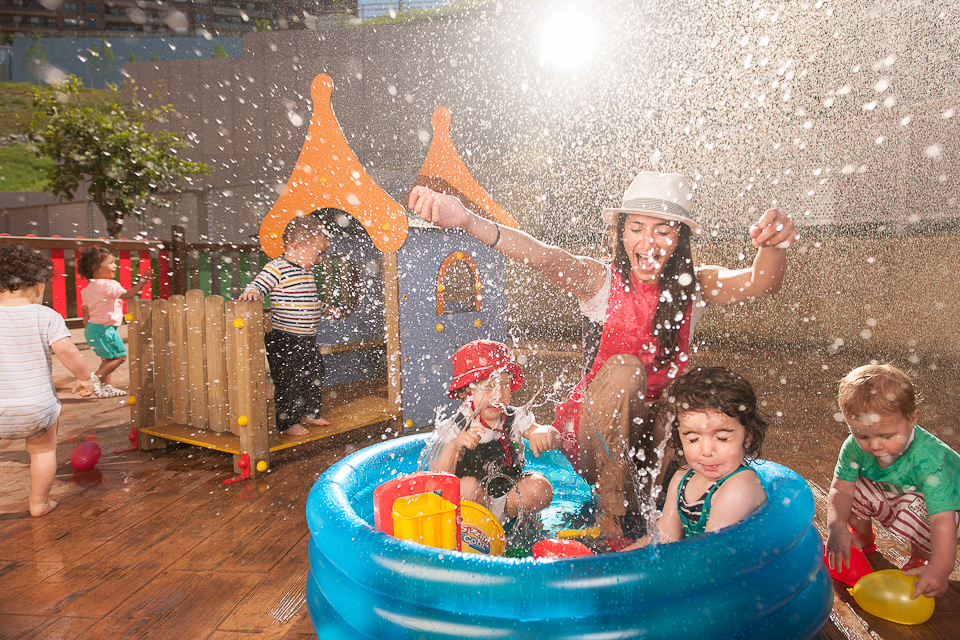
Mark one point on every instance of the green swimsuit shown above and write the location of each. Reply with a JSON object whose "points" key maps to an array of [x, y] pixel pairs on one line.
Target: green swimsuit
{"points": [[694, 516]]}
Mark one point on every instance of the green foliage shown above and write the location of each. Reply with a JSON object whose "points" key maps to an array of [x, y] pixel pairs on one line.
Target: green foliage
{"points": [[133, 57], [414, 15], [35, 58], [102, 60], [22, 169], [15, 100], [261, 25], [111, 147], [220, 52]]}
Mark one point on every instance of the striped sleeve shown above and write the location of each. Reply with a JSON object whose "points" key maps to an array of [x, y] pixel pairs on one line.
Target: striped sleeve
{"points": [[266, 280]]}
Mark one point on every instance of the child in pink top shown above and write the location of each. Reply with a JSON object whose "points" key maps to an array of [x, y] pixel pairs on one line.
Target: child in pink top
{"points": [[103, 313]]}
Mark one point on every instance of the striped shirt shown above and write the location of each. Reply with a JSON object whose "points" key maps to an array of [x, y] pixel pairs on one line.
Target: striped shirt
{"points": [[295, 307], [28, 398]]}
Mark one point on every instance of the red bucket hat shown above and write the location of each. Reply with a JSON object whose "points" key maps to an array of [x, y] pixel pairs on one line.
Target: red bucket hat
{"points": [[478, 360]]}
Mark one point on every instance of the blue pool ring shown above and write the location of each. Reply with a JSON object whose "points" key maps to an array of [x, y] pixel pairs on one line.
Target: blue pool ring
{"points": [[761, 578]]}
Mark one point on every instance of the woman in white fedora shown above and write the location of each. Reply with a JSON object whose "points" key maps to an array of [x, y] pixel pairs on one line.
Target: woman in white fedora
{"points": [[638, 312]]}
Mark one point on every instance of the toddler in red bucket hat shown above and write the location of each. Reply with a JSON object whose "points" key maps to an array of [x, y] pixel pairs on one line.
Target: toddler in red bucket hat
{"points": [[481, 443]]}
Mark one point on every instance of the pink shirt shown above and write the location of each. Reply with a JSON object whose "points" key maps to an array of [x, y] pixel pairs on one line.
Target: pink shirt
{"points": [[101, 297]]}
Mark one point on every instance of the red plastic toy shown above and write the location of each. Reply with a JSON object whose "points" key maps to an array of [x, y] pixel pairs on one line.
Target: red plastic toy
{"points": [[857, 568], [554, 548]]}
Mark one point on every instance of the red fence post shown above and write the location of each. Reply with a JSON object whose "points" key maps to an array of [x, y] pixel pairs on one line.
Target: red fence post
{"points": [[126, 278], [58, 288], [144, 261]]}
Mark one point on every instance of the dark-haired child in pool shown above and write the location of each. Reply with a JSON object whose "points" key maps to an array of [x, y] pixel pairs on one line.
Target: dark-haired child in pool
{"points": [[711, 414]]}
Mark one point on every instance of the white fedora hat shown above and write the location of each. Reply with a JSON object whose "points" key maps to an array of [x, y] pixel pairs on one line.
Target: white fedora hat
{"points": [[660, 195]]}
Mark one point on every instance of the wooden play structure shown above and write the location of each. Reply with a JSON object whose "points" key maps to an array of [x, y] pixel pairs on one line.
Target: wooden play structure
{"points": [[198, 375], [198, 371]]}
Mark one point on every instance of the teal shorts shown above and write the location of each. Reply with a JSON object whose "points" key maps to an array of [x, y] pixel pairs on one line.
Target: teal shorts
{"points": [[105, 341]]}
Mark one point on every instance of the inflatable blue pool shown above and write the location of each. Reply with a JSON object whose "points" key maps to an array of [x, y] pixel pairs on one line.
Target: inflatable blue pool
{"points": [[763, 578]]}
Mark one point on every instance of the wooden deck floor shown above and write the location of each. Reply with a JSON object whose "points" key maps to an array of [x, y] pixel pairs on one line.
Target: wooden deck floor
{"points": [[153, 545]]}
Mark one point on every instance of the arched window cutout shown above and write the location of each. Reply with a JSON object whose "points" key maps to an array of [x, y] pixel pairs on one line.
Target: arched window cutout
{"points": [[338, 283], [458, 284]]}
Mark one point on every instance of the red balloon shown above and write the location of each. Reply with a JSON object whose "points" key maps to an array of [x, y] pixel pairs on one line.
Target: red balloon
{"points": [[554, 548], [857, 568], [85, 456]]}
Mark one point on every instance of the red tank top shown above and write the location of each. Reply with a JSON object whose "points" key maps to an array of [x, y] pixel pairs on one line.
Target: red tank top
{"points": [[627, 328]]}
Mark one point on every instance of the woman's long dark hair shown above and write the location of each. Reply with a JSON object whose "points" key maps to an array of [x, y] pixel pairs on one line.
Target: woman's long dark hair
{"points": [[675, 298]]}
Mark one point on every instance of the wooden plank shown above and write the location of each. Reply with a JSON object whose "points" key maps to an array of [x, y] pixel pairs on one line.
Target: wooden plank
{"points": [[353, 414], [254, 440], [391, 329], [216, 364], [196, 362], [156, 390], [140, 350], [26, 627], [350, 346], [248, 542], [189, 434], [231, 337], [200, 600], [258, 373], [178, 358]]}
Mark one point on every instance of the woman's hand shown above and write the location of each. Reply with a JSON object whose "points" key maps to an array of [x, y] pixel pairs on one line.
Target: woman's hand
{"points": [[446, 212], [773, 229]]}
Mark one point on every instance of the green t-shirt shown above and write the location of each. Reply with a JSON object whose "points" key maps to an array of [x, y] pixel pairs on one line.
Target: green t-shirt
{"points": [[928, 466]]}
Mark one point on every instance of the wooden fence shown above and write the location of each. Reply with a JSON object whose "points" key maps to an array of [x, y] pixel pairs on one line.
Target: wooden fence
{"points": [[215, 268], [198, 375]]}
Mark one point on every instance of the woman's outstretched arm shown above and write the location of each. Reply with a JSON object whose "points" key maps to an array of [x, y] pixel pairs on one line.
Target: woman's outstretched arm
{"points": [[580, 275], [772, 234]]}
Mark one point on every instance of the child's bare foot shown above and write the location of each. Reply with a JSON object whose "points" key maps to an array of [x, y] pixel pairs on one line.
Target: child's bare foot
{"points": [[42, 509], [296, 430], [319, 421]]}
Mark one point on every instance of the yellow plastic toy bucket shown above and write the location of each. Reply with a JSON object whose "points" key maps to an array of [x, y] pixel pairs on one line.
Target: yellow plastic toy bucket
{"points": [[480, 531], [426, 518]]}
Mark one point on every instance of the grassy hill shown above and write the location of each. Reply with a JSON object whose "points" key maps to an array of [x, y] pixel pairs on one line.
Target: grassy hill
{"points": [[20, 168]]}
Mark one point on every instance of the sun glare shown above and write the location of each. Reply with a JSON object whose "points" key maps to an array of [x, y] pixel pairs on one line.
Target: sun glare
{"points": [[567, 39]]}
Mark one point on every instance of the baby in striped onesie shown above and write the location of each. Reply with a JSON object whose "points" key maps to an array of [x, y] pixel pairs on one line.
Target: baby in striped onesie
{"points": [[293, 354], [29, 331]]}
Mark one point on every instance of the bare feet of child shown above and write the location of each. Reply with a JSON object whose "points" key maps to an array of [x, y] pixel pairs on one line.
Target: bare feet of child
{"points": [[43, 508], [319, 421], [296, 430]]}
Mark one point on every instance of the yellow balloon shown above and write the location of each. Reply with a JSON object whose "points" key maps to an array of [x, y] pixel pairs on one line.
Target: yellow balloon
{"points": [[887, 594]]}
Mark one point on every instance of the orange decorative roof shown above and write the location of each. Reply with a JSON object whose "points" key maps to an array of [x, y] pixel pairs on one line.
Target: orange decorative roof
{"points": [[444, 171], [328, 175]]}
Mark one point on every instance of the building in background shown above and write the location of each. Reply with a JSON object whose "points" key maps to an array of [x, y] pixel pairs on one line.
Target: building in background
{"points": [[162, 17]]}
